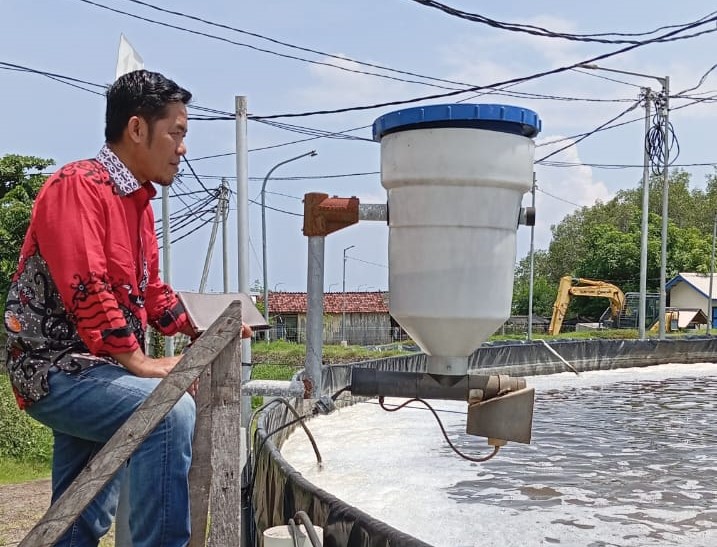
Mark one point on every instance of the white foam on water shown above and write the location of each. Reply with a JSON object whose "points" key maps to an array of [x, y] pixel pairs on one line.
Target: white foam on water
{"points": [[398, 468]]}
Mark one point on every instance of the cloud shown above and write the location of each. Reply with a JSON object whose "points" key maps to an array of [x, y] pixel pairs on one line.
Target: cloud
{"points": [[561, 191]]}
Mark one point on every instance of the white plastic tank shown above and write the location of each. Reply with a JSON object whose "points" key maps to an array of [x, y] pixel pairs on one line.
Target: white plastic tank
{"points": [[455, 175]]}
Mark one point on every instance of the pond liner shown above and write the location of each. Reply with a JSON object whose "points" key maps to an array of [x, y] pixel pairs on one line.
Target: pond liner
{"points": [[278, 491]]}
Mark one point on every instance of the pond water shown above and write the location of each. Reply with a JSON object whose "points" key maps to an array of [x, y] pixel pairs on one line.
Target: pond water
{"points": [[621, 457]]}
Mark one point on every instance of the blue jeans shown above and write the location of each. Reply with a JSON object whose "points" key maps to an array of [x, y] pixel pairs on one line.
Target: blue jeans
{"points": [[84, 410]]}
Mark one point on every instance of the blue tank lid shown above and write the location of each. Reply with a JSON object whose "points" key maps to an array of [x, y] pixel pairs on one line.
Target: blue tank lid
{"points": [[494, 117]]}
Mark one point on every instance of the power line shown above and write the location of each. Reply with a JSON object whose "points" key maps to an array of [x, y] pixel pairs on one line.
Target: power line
{"points": [[255, 48], [541, 31], [498, 84], [586, 135], [557, 197], [294, 46]]}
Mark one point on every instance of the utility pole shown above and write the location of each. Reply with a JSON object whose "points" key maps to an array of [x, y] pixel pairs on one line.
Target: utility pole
{"points": [[712, 273], [242, 167], [665, 116], [343, 299], [646, 93], [224, 203], [166, 259], [532, 267], [219, 214], [665, 199]]}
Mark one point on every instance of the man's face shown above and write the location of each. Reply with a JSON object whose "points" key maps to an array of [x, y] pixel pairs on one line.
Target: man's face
{"points": [[162, 148]]}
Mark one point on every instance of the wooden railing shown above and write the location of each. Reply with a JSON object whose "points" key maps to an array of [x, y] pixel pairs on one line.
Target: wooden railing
{"points": [[215, 475]]}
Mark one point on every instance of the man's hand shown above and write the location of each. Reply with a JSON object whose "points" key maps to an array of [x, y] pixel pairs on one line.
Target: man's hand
{"points": [[146, 367]]}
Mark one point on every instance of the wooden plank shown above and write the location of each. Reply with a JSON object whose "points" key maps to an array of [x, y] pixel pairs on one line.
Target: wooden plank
{"points": [[138, 426], [200, 473], [225, 500]]}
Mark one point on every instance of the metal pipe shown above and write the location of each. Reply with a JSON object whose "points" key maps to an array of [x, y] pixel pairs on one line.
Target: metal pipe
{"points": [[373, 211], [273, 388], [369, 382], [343, 298], [315, 314]]}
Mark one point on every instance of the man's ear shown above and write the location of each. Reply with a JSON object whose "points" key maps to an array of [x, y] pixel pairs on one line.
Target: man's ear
{"points": [[136, 129]]}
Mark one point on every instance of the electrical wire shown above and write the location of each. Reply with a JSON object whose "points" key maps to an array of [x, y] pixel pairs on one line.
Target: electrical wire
{"points": [[598, 128], [541, 31], [293, 46], [520, 79], [259, 49], [701, 81], [661, 139], [558, 197], [443, 429]]}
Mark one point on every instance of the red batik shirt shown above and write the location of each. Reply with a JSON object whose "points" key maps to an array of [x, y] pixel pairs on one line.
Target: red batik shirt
{"points": [[88, 280]]}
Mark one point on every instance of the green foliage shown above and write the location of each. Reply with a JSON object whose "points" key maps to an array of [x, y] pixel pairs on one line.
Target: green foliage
{"points": [[21, 437], [281, 352], [14, 471], [19, 183], [602, 242]]}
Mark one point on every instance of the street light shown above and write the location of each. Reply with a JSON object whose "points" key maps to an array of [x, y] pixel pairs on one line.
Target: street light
{"points": [[665, 83], [343, 299], [263, 229]]}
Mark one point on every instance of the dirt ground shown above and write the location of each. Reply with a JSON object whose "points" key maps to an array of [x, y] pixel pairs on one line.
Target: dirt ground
{"points": [[21, 507]]}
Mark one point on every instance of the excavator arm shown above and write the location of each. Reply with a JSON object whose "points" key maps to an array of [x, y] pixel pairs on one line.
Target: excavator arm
{"points": [[577, 286]]}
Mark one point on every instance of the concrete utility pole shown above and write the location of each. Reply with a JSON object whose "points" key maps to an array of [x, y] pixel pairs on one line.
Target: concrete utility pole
{"points": [[665, 115], [224, 202], [166, 259], [712, 273], [218, 216], [665, 198], [242, 167], [647, 96]]}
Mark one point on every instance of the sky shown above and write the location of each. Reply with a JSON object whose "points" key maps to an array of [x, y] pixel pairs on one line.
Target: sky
{"points": [[43, 117]]}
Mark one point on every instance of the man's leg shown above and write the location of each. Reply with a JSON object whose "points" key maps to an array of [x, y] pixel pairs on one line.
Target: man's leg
{"points": [[92, 405], [70, 455]]}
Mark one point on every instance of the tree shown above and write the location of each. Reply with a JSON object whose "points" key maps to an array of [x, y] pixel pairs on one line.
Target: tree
{"points": [[20, 180], [603, 241]]}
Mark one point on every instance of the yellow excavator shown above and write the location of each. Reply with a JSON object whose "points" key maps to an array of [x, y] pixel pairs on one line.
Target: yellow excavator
{"points": [[577, 286]]}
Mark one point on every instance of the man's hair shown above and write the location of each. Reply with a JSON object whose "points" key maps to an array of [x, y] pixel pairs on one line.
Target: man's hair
{"points": [[140, 93]]}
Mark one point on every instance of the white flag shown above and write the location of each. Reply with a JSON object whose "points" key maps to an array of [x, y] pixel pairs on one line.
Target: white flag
{"points": [[127, 58]]}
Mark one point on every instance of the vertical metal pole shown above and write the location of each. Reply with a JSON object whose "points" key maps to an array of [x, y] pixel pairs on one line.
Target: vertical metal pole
{"points": [[665, 203], [532, 268], [225, 234], [166, 259], [343, 297], [265, 266], [712, 273], [242, 167], [647, 94], [315, 314]]}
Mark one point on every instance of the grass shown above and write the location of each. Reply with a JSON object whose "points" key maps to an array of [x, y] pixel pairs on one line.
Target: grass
{"points": [[14, 471]]}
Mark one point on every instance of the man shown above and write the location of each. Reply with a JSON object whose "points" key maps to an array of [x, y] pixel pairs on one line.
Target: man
{"points": [[86, 287]]}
